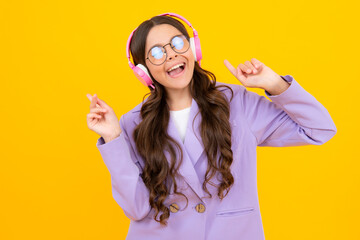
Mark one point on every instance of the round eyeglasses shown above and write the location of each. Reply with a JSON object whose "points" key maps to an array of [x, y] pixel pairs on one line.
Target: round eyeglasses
{"points": [[157, 55]]}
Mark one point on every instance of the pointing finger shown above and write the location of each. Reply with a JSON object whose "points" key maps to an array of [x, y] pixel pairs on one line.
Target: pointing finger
{"points": [[230, 67], [89, 97]]}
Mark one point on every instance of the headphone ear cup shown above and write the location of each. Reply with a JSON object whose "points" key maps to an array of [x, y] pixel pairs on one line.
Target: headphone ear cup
{"points": [[143, 75], [196, 48]]}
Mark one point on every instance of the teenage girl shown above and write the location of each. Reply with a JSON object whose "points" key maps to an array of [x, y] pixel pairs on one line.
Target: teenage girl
{"points": [[183, 161]]}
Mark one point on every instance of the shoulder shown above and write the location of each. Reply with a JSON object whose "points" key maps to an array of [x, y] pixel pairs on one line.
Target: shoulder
{"points": [[236, 89], [131, 118]]}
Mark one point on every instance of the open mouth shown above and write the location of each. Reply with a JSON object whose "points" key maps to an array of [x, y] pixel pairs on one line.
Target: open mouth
{"points": [[177, 70]]}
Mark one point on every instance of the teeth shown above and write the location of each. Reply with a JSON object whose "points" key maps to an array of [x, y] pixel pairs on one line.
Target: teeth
{"points": [[175, 67]]}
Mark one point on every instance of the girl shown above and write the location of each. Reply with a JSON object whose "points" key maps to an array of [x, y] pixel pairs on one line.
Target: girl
{"points": [[183, 162]]}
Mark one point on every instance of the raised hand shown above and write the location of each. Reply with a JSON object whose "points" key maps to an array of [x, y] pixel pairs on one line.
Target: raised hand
{"points": [[255, 74], [102, 119]]}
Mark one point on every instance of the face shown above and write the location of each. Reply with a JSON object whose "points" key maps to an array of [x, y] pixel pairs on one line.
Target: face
{"points": [[161, 35]]}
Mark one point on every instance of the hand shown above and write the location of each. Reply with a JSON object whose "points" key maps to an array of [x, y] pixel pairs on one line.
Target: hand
{"points": [[255, 74], [102, 119]]}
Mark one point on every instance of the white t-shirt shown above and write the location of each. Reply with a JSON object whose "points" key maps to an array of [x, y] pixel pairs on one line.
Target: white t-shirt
{"points": [[181, 118]]}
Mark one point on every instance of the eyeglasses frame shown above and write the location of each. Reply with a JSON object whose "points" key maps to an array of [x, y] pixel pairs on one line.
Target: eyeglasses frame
{"points": [[172, 47]]}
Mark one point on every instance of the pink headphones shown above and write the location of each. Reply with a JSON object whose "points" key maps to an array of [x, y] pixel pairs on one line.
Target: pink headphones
{"points": [[141, 71]]}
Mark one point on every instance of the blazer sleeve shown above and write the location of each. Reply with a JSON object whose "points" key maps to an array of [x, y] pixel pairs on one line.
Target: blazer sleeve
{"points": [[128, 188], [292, 118]]}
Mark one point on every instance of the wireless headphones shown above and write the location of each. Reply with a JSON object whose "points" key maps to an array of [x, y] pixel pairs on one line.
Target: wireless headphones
{"points": [[141, 71]]}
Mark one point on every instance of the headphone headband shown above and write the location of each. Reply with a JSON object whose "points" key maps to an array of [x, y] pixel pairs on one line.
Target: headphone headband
{"points": [[163, 14]]}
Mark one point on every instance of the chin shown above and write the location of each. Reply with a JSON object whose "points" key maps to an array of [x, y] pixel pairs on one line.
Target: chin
{"points": [[179, 85]]}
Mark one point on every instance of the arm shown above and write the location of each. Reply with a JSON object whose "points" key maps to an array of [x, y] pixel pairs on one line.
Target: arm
{"points": [[128, 189], [293, 118]]}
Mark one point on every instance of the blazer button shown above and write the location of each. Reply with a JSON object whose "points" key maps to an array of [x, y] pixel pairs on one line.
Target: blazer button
{"points": [[174, 207], [200, 208]]}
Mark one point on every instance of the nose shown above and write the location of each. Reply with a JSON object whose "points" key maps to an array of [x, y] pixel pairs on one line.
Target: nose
{"points": [[170, 52]]}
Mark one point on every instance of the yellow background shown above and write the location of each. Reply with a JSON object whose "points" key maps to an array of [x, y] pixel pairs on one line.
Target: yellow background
{"points": [[54, 184]]}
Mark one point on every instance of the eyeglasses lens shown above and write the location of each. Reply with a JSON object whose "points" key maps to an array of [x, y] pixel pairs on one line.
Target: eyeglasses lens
{"points": [[178, 43]]}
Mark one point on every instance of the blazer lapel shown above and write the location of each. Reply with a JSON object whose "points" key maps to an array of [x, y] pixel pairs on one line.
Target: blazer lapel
{"points": [[192, 147], [187, 169]]}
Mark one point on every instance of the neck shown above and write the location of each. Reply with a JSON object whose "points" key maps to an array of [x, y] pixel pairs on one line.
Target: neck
{"points": [[179, 99]]}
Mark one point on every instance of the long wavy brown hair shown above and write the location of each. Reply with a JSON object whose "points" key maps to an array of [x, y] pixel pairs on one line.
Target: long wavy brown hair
{"points": [[152, 139]]}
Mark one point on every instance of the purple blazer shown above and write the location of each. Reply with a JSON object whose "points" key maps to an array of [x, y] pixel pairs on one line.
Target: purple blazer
{"points": [[292, 118]]}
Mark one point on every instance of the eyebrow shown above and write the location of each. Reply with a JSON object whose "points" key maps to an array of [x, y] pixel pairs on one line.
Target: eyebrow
{"points": [[160, 45]]}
